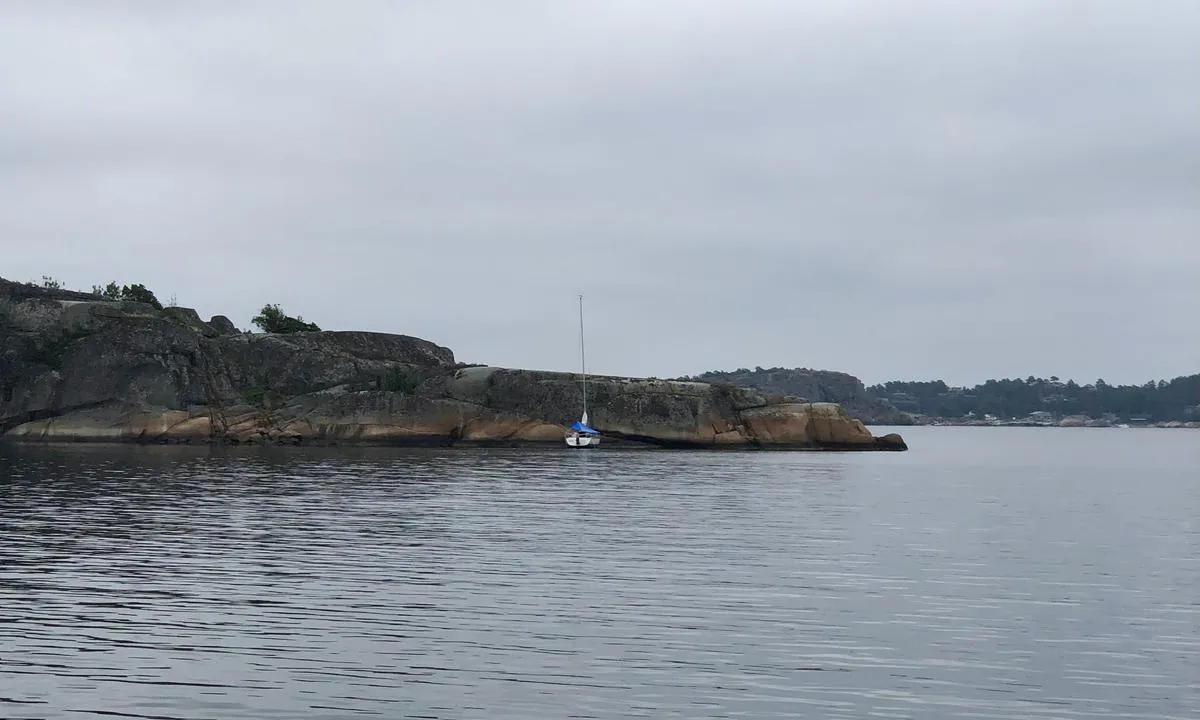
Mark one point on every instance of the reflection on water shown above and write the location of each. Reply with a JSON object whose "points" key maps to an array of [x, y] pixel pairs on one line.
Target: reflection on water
{"points": [[986, 574]]}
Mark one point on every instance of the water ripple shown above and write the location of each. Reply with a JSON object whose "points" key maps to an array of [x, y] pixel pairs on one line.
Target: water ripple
{"points": [[179, 583]]}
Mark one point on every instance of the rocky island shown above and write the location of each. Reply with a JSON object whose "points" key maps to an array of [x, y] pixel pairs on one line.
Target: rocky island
{"points": [[78, 367]]}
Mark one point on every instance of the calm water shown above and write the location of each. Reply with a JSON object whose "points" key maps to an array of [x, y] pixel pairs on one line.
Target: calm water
{"points": [[987, 573]]}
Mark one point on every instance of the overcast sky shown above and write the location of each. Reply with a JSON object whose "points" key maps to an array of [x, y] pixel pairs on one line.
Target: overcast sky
{"points": [[916, 190]]}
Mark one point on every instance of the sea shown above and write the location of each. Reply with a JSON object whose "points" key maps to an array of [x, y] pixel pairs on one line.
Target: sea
{"points": [[985, 573]]}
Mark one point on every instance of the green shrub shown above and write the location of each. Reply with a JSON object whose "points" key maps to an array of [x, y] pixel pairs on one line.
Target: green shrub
{"points": [[401, 379], [51, 351], [133, 293], [273, 319], [140, 293], [111, 291], [261, 397]]}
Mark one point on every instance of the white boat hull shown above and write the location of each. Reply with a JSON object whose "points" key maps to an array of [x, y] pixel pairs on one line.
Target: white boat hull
{"points": [[582, 441]]}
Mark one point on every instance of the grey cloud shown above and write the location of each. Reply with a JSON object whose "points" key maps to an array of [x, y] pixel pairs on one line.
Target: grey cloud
{"points": [[897, 190]]}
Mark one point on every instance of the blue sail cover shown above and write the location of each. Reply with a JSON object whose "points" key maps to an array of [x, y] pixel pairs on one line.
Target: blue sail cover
{"points": [[585, 428]]}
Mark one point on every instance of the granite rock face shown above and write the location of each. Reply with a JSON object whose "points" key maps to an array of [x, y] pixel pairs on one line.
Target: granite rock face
{"points": [[76, 368], [815, 385]]}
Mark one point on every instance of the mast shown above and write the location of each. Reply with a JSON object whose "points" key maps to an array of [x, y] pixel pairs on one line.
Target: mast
{"points": [[582, 358]]}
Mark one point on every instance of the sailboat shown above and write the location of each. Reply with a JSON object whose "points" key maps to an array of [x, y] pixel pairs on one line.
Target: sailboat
{"points": [[582, 434]]}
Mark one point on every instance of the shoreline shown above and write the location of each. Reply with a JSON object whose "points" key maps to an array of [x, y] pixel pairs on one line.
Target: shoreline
{"points": [[883, 444], [85, 368]]}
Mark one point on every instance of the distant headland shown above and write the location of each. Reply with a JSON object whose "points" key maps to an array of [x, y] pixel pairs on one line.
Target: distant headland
{"points": [[1032, 401], [116, 365]]}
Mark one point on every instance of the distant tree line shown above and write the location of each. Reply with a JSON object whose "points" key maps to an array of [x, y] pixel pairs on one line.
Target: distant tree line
{"points": [[898, 401], [1177, 399]]}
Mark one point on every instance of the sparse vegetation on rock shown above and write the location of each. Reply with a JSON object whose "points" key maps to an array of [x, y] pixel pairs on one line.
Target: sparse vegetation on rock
{"points": [[136, 292], [273, 319], [400, 379], [51, 348]]}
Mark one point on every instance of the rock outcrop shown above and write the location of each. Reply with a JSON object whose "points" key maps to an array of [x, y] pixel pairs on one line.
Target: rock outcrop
{"points": [[77, 368], [817, 385]]}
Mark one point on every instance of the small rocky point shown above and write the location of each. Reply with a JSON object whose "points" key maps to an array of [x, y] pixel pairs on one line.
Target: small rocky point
{"points": [[77, 368]]}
